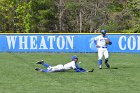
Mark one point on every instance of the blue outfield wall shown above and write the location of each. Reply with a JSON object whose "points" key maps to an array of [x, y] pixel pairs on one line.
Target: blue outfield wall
{"points": [[129, 43]]}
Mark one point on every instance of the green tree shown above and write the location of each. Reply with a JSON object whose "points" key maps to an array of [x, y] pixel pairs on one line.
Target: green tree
{"points": [[6, 16], [23, 16], [41, 16], [45, 16]]}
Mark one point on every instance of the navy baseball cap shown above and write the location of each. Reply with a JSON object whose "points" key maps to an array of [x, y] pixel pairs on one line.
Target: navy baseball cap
{"points": [[103, 31], [74, 57]]}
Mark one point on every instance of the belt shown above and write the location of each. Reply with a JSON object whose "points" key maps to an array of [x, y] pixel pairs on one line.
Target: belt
{"points": [[102, 47]]}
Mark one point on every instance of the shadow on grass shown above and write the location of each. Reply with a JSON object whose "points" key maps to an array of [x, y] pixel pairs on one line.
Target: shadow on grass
{"points": [[111, 68], [114, 68]]}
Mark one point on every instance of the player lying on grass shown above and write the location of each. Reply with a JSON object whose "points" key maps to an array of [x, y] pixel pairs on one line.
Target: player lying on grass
{"points": [[61, 68]]}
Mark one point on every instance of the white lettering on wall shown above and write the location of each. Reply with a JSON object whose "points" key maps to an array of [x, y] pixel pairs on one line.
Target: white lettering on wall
{"points": [[51, 39], [122, 39], [33, 42], [11, 40], [138, 42], [62, 40], [43, 43], [69, 41], [23, 42], [131, 43]]}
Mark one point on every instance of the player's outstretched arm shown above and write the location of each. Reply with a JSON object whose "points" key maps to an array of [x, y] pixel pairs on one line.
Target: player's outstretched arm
{"points": [[80, 70]]}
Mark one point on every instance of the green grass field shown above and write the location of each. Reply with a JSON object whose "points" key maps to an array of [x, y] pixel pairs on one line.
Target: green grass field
{"points": [[17, 74]]}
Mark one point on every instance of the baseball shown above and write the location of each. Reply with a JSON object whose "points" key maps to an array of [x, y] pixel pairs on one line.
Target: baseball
{"points": [[80, 62]]}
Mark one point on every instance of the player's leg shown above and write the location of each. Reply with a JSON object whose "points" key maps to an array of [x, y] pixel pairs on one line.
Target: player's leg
{"points": [[100, 55], [43, 63], [45, 71], [46, 65], [106, 54], [40, 62], [42, 70], [58, 68]]}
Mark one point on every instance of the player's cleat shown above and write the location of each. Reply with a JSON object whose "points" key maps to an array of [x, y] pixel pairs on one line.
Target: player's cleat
{"points": [[40, 62], [107, 65], [38, 69], [100, 66]]}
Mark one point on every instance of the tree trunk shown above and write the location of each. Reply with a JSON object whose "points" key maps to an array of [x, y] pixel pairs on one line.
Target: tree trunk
{"points": [[60, 15], [80, 16], [90, 21]]}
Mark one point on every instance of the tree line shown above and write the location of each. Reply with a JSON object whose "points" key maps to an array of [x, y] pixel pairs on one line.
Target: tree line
{"points": [[69, 16]]}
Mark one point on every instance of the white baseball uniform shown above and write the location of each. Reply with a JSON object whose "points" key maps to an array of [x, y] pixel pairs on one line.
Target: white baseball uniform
{"points": [[60, 67], [102, 46]]}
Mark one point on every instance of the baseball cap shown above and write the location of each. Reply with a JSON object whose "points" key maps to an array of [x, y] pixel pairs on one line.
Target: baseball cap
{"points": [[103, 31], [74, 57]]}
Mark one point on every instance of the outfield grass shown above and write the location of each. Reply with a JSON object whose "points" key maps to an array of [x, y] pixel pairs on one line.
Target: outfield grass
{"points": [[17, 74]]}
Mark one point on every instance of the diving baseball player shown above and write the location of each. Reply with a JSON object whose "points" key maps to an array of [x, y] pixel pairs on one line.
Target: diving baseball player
{"points": [[101, 42], [61, 68]]}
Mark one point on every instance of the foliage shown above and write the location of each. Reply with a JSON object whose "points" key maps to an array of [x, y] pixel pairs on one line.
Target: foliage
{"points": [[44, 16], [23, 16]]}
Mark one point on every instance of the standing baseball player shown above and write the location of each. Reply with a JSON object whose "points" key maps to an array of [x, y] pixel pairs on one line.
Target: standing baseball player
{"points": [[61, 68], [101, 42]]}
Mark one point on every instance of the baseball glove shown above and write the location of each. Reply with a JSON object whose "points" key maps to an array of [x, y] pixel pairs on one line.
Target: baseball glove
{"points": [[107, 41]]}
